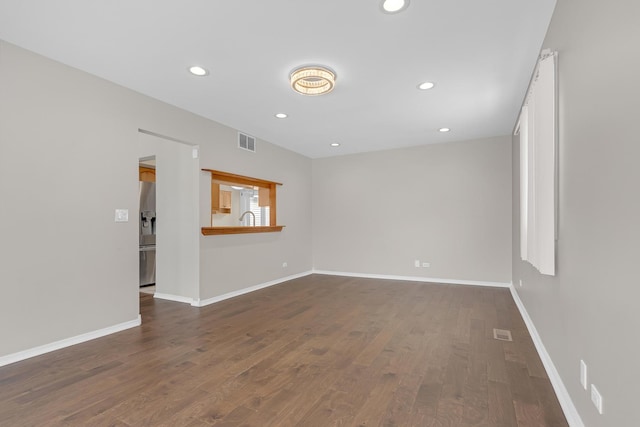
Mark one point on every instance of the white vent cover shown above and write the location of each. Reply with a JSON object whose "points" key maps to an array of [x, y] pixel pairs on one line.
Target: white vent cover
{"points": [[502, 335], [246, 142]]}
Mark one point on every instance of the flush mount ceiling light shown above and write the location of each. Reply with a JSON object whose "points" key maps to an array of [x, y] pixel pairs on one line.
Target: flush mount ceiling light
{"points": [[425, 85], [444, 130], [198, 71], [313, 80], [281, 115], [335, 144], [394, 6]]}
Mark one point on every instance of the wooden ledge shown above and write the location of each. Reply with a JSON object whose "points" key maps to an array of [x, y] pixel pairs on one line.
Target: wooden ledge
{"points": [[212, 231]]}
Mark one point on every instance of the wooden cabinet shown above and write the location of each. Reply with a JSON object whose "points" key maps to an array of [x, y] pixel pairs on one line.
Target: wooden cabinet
{"points": [[220, 200], [225, 201], [147, 174], [264, 198]]}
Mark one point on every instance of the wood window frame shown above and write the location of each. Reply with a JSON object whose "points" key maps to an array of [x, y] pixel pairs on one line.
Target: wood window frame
{"points": [[230, 178]]}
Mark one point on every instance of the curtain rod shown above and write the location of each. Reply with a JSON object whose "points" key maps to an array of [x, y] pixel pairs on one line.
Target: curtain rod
{"points": [[544, 54]]}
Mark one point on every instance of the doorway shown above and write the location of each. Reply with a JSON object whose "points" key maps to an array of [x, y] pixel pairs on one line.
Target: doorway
{"points": [[177, 250], [147, 221]]}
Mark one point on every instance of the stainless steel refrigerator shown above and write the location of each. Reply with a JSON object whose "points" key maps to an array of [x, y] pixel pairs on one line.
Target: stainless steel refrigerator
{"points": [[147, 233]]}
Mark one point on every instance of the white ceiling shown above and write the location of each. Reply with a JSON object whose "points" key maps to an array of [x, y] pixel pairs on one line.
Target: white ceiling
{"points": [[479, 53]]}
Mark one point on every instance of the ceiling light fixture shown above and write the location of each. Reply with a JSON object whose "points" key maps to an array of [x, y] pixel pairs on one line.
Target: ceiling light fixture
{"points": [[425, 85], [198, 71], [281, 115], [444, 130], [394, 6], [313, 80], [335, 144]]}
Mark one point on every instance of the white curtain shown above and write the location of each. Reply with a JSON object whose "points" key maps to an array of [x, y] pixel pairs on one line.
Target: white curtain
{"points": [[538, 169], [524, 182]]}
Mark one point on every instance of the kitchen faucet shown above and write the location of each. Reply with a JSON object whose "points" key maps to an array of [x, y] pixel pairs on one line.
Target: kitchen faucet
{"points": [[252, 214]]}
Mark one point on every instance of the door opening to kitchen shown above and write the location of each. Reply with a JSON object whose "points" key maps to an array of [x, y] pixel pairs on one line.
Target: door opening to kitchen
{"points": [[147, 224], [169, 238]]}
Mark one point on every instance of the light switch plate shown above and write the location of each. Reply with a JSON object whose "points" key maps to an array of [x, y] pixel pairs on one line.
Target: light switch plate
{"points": [[122, 215], [583, 374], [596, 398]]}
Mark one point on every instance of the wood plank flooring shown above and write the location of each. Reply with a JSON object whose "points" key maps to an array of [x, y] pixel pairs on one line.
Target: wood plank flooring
{"points": [[316, 351]]}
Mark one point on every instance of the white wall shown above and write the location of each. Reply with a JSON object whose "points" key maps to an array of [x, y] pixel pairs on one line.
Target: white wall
{"points": [[446, 204], [589, 310], [233, 262], [68, 158]]}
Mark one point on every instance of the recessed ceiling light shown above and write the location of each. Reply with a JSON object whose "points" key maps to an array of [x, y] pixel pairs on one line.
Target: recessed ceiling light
{"points": [[425, 85], [313, 80], [198, 71], [394, 6], [335, 144], [444, 130], [281, 116]]}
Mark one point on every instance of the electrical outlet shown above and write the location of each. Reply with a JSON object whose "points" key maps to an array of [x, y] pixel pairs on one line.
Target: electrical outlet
{"points": [[596, 398], [285, 265], [426, 265], [417, 263], [583, 374], [122, 215]]}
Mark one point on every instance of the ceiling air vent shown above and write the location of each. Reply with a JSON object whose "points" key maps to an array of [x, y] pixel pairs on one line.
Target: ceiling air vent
{"points": [[246, 142]]}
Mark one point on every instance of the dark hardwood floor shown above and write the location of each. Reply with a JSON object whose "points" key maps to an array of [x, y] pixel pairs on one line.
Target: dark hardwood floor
{"points": [[316, 351]]}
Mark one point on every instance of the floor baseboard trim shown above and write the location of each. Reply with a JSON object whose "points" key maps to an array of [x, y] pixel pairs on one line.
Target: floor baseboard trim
{"points": [[175, 298], [415, 279], [569, 409], [213, 300], [68, 342]]}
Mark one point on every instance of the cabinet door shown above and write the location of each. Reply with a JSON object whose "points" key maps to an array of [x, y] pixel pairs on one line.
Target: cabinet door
{"points": [[147, 174], [225, 199], [263, 197]]}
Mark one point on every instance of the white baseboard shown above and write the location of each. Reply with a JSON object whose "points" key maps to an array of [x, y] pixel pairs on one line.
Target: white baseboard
{"points": [[176, 298], [37, 351], [569, 409], [213, 300], [202, 303], [415, 279]]}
